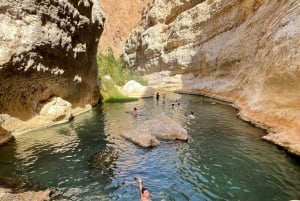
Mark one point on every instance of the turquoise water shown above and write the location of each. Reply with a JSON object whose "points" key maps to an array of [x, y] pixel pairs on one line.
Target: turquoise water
{"points": [[224, 159]]}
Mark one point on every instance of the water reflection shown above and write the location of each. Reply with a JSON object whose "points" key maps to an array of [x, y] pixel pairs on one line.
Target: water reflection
{"points": [[225, 158], [61, 141]]}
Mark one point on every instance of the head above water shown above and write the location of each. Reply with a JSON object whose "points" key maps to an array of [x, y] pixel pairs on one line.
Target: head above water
{"points": [[145, 192]]}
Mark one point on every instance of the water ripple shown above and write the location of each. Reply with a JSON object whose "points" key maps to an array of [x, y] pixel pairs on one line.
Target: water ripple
{"points": [[225, 159]]}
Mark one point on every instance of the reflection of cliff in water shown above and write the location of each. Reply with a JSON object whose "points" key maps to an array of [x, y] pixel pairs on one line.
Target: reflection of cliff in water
{"points": [[11, 176], [7, 159], [49, 152]]}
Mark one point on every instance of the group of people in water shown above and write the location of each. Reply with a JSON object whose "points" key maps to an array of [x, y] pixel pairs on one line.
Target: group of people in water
{"points": [[134, 112]]}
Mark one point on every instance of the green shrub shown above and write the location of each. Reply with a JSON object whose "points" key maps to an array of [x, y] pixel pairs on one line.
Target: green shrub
{"points": [[115, 68], [111, 94]]}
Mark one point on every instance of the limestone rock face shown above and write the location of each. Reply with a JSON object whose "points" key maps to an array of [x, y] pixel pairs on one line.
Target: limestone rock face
{"points": [[161, 127], [48, 49], [121, 17], [246, 52]]}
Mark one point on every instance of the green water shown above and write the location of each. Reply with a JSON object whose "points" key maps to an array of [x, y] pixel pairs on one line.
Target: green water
{"points": [[224, 159]]}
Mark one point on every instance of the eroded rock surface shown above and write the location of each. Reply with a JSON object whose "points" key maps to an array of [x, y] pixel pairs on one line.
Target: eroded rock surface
{"points": [[48, 50], [121, 17], [149, 132], [246, 52]]}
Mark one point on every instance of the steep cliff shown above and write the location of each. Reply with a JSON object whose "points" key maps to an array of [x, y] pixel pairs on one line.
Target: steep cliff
{"points": [[47, 58], [121, 17], [246, 52]]}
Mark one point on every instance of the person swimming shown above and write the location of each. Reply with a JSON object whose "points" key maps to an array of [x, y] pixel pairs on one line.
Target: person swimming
{"points": [[191, 115], [134, 112], [145, 194]]}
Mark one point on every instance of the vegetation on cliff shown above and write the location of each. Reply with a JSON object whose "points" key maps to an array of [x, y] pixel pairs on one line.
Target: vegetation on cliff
{"points": [[115, 69]]}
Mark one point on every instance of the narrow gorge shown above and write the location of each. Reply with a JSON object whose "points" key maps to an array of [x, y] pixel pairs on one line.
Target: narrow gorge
{"points": [[196, 90]]}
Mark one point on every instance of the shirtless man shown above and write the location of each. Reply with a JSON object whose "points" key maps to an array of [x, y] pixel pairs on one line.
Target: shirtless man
{"points": [[134, 112], [145, 195]]}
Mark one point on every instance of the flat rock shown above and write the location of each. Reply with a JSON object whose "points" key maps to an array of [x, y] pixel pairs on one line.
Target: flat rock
{"points": [[149, 132]]}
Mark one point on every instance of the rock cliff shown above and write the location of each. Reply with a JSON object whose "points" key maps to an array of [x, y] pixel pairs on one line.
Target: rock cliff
{"points": [[246, 52], [121, 17], [47, 51]]}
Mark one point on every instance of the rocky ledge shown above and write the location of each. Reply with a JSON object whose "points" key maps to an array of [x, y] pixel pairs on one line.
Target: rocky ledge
{"points": [[149, 132]]}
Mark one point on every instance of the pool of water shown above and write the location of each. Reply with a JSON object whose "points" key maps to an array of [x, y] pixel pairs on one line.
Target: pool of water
{"points": [[224, 159]]}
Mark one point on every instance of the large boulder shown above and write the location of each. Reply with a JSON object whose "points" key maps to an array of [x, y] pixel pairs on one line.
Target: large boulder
{"points": [[54, 112], [149, 132], [45, 52], [136, 90]]}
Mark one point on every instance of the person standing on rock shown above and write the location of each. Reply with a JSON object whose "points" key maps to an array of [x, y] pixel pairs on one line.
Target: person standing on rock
{"points": [[157, 96]]}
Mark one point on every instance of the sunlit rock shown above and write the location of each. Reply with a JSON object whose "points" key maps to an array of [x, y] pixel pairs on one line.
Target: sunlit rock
{"points": [[141, 136], [148, 133], [135, 89], [55, 111]]}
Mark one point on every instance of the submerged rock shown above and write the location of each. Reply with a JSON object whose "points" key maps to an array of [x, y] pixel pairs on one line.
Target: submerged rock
{"points": [[19, 185], [161, 127], [103, 161], [6, 195]]}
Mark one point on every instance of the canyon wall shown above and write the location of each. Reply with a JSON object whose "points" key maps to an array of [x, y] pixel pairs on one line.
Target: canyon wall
{"points": [[246, 52], [121, 17], [48, 69]]}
